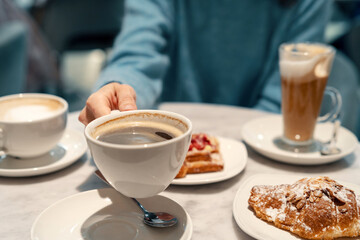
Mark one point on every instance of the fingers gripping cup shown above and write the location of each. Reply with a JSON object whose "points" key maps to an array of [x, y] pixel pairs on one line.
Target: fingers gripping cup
{"points": [[139, 152], [31, 124], [304, 69]]}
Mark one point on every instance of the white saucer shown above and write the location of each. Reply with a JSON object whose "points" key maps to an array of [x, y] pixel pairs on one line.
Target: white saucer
{"points": [[245, 217], [234, 155], [260, 134], [70, 148], [107, 214]]}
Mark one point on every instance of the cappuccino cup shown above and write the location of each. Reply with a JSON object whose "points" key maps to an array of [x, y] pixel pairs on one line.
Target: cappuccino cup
{"points": [[31, 124], [304, 70], [139, 152]]}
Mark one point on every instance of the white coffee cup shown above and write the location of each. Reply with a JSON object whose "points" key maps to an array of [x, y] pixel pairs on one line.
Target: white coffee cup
{"points": [[31, 124], [142, 170]]}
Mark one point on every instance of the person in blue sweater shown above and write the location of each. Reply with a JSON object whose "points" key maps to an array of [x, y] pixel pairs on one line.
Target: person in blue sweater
{"points": [[211, 51]]}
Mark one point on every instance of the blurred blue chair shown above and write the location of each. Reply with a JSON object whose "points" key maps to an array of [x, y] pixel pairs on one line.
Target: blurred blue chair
{"points": [[345, 77], [12, 57]]}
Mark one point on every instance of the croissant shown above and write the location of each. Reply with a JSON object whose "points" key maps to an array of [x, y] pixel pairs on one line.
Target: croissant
{"points": [[312, 208]]}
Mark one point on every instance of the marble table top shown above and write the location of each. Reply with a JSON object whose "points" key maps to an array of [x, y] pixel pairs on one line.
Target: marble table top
{"points": [[209, 206]]}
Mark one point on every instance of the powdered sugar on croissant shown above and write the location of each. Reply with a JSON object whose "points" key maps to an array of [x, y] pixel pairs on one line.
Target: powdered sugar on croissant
{"points": [[313, 208]]}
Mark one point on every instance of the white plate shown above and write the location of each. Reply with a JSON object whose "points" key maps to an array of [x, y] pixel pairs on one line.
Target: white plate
{"points": [[234, 155], [260, 134], [69, 149], [255, 227], [107, 214]]}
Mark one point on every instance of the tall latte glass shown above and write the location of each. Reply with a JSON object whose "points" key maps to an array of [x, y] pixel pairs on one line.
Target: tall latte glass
{"points": [[304, 69]]}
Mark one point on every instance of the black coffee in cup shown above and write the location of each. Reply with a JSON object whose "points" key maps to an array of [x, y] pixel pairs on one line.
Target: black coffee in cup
{"points": [[139, 129], [136, 135]]}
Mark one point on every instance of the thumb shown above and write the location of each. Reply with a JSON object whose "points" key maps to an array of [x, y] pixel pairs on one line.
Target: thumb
{"points": [[126, 98]]}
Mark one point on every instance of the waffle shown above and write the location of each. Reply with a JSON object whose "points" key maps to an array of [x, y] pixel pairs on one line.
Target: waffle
{"points": [[203, 156]]}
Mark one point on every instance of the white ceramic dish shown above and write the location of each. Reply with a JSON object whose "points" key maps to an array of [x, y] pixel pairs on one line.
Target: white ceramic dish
{"points": [[235, 157], [107, 214], [246, 219], [261, 133], [70, 148]]}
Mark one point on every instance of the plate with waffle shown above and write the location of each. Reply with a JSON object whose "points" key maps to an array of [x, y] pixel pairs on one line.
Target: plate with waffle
{"points": [[211, 159]]}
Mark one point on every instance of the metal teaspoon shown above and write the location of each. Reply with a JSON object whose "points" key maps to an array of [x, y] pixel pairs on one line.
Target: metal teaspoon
{"points": [[153, 219]]}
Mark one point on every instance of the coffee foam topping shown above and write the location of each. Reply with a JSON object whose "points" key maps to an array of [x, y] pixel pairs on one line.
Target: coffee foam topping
{"points": [[311, 59], [308, 50], [28, 109]]}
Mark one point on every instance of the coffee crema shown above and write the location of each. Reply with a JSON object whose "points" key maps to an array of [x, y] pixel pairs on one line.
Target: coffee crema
{"points": [[28, 109]]}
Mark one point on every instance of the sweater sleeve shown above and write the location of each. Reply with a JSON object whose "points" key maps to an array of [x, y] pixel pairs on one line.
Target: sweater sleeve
{"points": [[140, 55], [309, 19]]}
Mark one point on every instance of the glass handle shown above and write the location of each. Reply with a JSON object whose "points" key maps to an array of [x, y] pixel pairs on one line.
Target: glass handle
{"points": [[336, 101], [2, 151]]}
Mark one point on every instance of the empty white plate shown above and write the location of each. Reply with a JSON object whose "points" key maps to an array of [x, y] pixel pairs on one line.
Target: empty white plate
{"points": [[108, 215], [260, 134], [69, 149]]}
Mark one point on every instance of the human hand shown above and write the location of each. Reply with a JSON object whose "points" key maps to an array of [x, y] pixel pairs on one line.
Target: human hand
{"points": [[113, 96]]}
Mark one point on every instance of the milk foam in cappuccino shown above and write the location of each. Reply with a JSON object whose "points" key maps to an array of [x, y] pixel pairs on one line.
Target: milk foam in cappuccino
{"points": [[28, 109]]}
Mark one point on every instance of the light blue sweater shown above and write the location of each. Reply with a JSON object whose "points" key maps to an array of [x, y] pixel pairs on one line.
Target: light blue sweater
{"points": [[214, 51]]}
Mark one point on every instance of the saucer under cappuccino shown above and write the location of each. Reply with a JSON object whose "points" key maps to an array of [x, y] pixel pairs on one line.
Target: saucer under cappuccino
{"points": [[28, 109]]}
